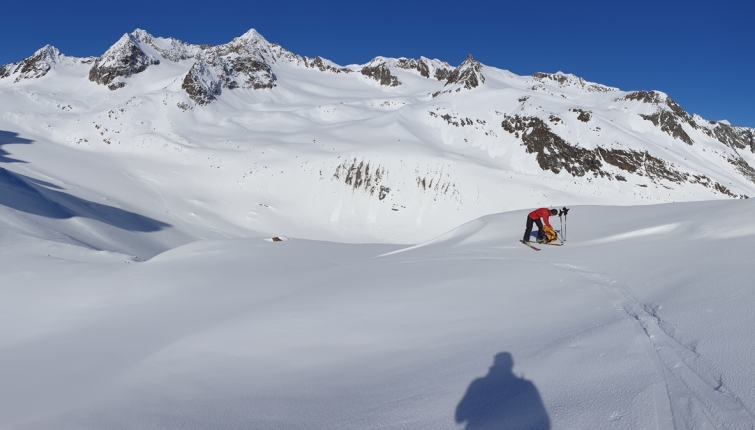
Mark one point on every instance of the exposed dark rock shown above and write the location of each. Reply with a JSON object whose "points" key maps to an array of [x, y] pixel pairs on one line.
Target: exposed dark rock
{"points": [[669, 122], [123, 59], [553, 153], [708, 183], [669, 116], [659, 99], [734, 137], [468, 75], [442, 74], [641, 163], [241, 63], [568, 80], [115, 85], [554, 77], [652, 97], [380, 72], [321, 64], [33, 67], [742, 167], [200, 85], [584, 115], [411, 64], [360, 176], [427, 68]]}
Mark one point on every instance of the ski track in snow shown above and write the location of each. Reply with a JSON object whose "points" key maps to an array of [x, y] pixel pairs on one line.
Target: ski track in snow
{"points": [[693, 387], [390, 165]]}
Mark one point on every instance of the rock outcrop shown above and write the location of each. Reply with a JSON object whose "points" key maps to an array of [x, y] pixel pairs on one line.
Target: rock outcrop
{"points": [[565, 80], [468, 75], [323, 65], [378, 70], [34, 67], [427, 68], [122, 60], [242, 63]]}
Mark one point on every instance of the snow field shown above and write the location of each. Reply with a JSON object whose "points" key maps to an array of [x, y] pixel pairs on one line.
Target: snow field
{"points": [[640, 321]]}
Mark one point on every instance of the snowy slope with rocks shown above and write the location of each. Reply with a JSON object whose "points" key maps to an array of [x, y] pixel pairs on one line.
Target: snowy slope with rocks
{"points": [[140, 285], [248, 138]]}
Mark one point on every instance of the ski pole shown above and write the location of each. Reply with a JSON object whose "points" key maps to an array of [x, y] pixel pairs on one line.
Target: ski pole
{"points": [[564, 212]]}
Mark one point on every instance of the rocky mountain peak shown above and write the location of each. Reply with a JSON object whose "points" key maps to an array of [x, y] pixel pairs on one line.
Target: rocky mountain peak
{"points": [[140, 36], [250, 44], [563, 80], [36, 66], [468, 75], [426, 67], [122, 60], [379, 70], [244, 62]]}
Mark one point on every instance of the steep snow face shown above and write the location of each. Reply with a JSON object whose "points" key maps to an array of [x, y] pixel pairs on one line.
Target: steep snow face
{"points": [[248, 138]]}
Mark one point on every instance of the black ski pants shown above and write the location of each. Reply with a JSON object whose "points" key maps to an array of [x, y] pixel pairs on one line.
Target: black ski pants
{"points": [[527, 232]]}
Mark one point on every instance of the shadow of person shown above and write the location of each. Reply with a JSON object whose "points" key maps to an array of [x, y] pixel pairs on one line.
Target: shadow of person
{"points": [[502, 401]]}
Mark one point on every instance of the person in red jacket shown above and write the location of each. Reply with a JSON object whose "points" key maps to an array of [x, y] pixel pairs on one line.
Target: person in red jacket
{"points": [[534, 218]]}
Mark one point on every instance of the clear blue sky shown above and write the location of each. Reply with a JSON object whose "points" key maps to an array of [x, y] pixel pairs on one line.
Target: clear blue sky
{"points": [[701, 53]]}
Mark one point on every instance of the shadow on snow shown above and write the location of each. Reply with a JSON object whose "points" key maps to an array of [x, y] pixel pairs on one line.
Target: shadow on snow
{"points": [[502, 401], [32, 196]]}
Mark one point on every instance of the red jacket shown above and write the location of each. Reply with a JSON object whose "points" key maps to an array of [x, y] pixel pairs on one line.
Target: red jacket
{"points": [[543, 213]]}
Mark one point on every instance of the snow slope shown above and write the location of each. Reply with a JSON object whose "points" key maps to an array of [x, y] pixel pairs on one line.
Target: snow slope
{"points": [[140, 286], [247, 139], [642, 320]]}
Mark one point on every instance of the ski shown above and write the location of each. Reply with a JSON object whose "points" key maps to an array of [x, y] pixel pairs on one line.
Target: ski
{"points": [[553, 244], [536, 249]]}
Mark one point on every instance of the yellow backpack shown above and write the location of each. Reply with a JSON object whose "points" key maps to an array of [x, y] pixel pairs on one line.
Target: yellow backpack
{"points": [[549, 235]]}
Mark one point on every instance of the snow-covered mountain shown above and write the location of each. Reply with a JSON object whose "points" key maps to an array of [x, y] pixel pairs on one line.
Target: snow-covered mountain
{"points": [[115, 314], [249, 138]]}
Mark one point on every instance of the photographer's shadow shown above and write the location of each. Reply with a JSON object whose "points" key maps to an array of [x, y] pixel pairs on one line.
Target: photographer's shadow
{"points": [[502, 401]]}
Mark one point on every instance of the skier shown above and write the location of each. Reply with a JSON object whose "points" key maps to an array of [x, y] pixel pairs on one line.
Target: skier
{"points": [[534, 217]]}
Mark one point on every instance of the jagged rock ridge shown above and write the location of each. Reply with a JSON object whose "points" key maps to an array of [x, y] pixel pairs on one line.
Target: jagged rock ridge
{"points": [[241, 63], [564, 80], [553, 153], [35, 66], [468, 75], [550, 109], [122, 60], [378, 70]]}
